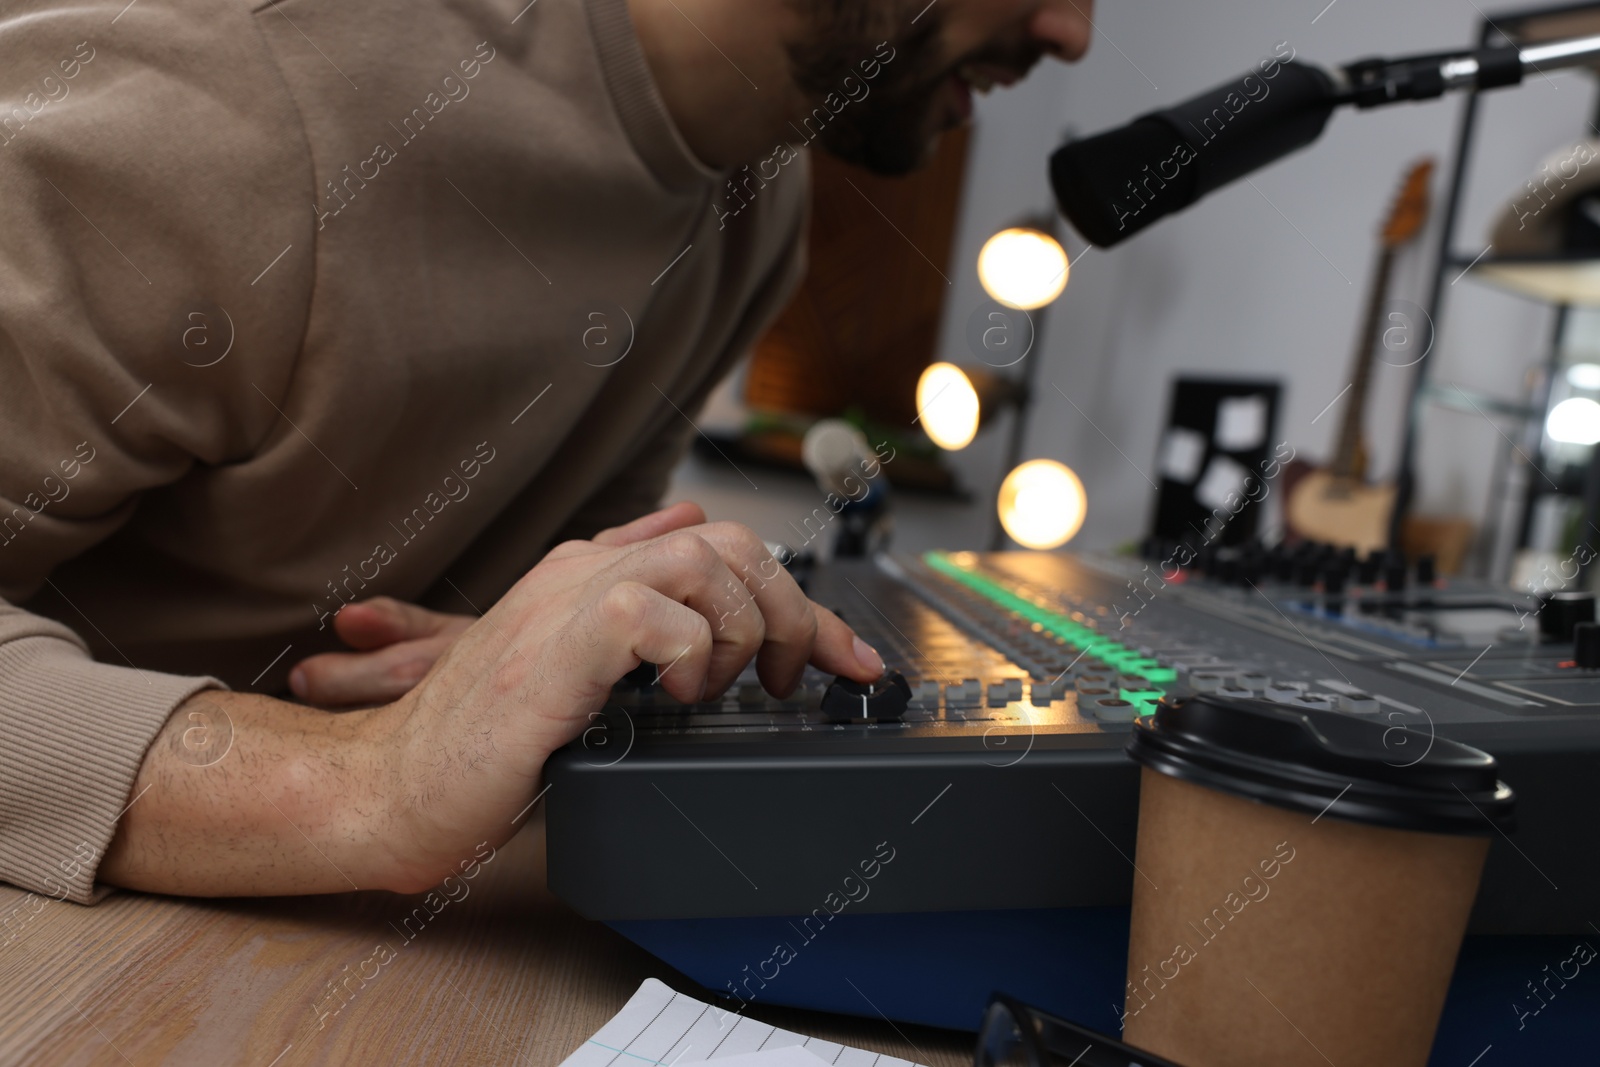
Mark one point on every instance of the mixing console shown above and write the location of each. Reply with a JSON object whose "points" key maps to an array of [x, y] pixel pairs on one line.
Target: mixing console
{"points": [[997, 740]]}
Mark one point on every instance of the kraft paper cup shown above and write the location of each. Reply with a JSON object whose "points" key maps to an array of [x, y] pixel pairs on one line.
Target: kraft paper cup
{"points": [[1302, 884]]}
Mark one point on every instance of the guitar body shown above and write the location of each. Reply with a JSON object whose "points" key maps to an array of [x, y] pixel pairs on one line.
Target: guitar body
{"points": [[1336, 505], [1322, 506]]}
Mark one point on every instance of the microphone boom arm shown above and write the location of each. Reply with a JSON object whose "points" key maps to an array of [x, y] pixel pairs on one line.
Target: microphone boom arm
{"points": [[1485, 68]]}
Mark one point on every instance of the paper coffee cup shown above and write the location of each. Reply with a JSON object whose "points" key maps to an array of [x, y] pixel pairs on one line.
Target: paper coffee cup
{"points": [[1302, 884]]}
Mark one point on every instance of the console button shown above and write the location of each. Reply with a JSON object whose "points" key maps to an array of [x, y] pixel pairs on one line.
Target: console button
{"points": [[964, 694], [1112, 709], [1358, 703]]}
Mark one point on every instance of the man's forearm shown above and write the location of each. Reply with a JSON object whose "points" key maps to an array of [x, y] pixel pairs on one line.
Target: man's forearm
{"points": [[246, 795]]}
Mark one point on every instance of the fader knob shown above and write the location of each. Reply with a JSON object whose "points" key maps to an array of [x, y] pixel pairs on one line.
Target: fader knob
{"points": [[1333, 575], [1563, 611], [1251, 569], [1586, 645], [1368, 569], [848, 701]]}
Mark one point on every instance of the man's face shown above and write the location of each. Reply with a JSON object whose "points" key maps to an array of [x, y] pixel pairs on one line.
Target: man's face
{"points": [[893, 110]]}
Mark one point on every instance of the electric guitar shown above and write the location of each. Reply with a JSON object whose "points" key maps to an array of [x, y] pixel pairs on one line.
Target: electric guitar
{"points": [[1336, 504]]}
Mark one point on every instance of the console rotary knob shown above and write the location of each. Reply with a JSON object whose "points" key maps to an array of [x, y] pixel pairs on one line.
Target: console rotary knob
{"points": [[1564, 611], [1586, 645]]}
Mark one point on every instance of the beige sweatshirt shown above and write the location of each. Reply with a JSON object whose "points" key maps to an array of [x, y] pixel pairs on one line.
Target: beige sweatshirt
{"points": [[313, 301]]}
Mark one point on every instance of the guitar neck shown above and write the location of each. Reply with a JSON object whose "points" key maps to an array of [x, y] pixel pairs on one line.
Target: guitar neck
{"points": [[1350, 454]]}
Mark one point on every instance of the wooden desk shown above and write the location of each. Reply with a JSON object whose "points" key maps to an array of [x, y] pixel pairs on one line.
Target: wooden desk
{"points": [[503, 975]]}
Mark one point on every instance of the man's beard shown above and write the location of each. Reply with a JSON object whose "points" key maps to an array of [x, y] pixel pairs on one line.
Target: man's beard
{"points": [[888, 131], [893, 129], [891, 132]]}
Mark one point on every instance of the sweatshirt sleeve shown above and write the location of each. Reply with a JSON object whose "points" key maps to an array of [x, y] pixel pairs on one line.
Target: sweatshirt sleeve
{"points": [[124, 248]]}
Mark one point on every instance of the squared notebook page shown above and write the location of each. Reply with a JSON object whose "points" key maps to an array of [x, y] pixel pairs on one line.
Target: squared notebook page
{"points": [[662, 1027]]}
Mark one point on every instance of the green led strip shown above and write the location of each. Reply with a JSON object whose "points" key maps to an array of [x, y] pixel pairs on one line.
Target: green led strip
{"points": [[1126, 660]]}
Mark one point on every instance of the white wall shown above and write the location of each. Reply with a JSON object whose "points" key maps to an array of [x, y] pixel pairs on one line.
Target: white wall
{"points": [[1260, 281]]}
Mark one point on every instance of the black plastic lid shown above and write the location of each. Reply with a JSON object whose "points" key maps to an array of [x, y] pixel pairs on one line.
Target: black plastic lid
{"points": [[1323, 762]]}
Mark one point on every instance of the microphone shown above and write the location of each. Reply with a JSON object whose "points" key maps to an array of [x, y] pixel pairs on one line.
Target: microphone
{"points": [[839, 456], [833, 450], [1116, 183]]}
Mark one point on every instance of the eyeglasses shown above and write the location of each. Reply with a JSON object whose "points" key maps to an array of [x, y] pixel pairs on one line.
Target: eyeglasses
{"points": [[1015, 1035]]}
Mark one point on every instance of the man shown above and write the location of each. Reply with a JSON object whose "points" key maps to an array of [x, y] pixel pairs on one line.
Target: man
{"points": [[324, 321]]}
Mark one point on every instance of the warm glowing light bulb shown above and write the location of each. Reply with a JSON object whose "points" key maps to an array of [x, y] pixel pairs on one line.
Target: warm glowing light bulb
{"points": [[1042, 504], [1574, 421], [1023, 268], [948, 406]]}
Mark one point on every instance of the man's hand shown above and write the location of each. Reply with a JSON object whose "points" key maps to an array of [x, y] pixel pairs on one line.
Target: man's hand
{"points": [[396, 642], [243, 795], [468, 742]]}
